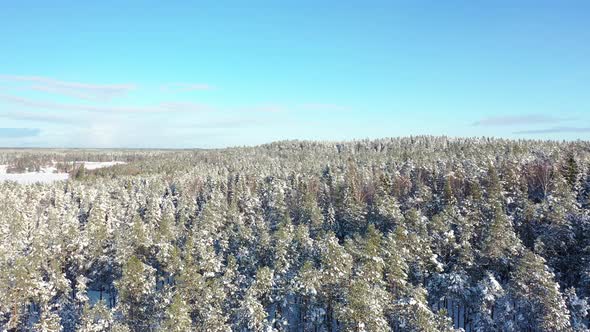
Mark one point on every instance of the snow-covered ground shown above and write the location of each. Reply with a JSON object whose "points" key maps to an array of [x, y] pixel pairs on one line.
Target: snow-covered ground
{"points": [[99, 164], [46, 175]]}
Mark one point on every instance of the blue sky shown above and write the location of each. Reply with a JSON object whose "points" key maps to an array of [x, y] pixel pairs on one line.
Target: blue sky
{"points": [[214, 74]]}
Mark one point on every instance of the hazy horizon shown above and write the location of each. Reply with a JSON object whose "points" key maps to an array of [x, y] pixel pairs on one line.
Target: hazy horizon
{"points": [[352, 140]]}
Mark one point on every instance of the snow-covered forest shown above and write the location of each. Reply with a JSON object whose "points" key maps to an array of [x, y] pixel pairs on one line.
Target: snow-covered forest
{"points": [[403, 234]]}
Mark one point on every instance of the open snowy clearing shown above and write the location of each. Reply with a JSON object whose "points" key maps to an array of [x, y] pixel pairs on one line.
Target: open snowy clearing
{"points": [[46, 175], [99, 164]]}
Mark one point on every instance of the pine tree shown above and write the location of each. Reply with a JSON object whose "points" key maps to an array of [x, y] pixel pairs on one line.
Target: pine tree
{"points": [[364, 307], [412, 313], [307, 285], [537, 295], [351, 208], [578, 308], [500, 242], [96, 318], [312, 214], [336, 265], [386, 211], [252, 314], [487, 292], [177, 316], [136, 293], [395, 266]]}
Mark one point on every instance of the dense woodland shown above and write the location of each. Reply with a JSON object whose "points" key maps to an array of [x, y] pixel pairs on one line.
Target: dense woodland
{"points": [[404, 234]]}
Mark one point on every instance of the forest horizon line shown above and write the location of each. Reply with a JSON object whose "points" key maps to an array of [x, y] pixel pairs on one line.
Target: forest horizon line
{"points": [[303, 140]]}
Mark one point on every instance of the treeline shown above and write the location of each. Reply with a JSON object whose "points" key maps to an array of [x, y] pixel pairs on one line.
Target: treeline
{"points": [[33, 160], [410, 234]]}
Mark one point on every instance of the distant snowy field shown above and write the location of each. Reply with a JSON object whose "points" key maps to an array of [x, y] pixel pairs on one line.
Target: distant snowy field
{"points": [[99, 164], [47, 174]]}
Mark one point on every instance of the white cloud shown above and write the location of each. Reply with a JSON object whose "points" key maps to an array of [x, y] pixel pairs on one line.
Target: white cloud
{"points": [[518, 120], [36, 117], [159, 108], [187, 86], [554, 130], [102, 92]]}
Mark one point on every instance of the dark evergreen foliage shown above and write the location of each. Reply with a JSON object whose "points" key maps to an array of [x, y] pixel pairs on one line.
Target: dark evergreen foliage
{"points": [[408, 234]]}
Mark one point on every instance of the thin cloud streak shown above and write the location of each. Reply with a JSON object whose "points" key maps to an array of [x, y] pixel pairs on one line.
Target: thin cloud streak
{"points": [[265, 109], [187, 86], [74, 93], [518, 120], [186, 107], [36, 117], [227, 123], [324, 107], [555, 130], [104, 92], [163, 107], [160, 108]]}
